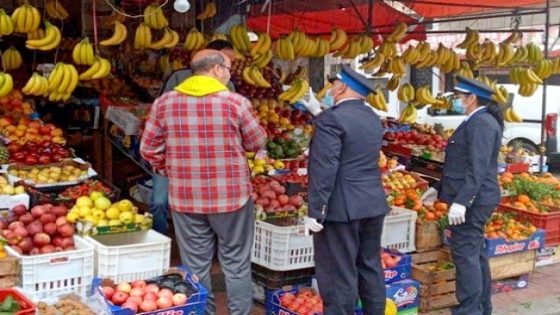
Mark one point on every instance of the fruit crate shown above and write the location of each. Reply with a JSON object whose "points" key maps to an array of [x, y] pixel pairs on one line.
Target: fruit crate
{"points": [[421, 183], [275, 307], [401, 270], [9, 272], [196, 302], [26, 306], [399, 230], [512, 265], [437, 288], [266, 281], [51, 194], [428, 236], [131, 256], [47, 275], [550, 222], [282, 248]]}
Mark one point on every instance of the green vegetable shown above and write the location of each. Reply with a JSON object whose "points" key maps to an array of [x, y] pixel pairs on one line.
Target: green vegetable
{"points": [[9, 305], [535, 191]]}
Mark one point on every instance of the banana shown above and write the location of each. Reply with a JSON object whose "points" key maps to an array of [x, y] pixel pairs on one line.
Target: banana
{"points": [[474, 52], [6, 84], [398, 33], [154, 18], [424, 96], [387, 49], [50, 41], [263, 44], [12, 58], [465, 70], [471, 38], [286, 49], [374, 63], [489, 51], [338, 39], [56, 77], [240, 39], [366, 44], [324, 91], [143, 36], [521, 55], [514, 116], [264, 59], [256, 76], [406, 93], [544, 68], [194, 40], [296, 91], [409, 114], [55, 10], [393, 82], [174, 39], [82, 54], [513, 38], [99, 69], [119, 35], [165, 39], [556, 65], [209, 11], [26, 19], [38, 34], [246, 77], [535, 53], [377, 100], [6, 23], [411, 55], [528, 76]]}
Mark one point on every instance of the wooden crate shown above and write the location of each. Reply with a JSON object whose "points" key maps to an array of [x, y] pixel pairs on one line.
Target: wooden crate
{"points": [[428, 236], [437, 288], [512, 265], [9, 272]]}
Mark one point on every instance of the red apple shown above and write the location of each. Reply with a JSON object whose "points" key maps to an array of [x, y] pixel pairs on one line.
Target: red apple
{"points": [[124, 287], [152, 288], [148, 306], [179, 299], [137, 292], [164, 302], [150, 296], [108, 292], [134, 299], [165, 293], [139, 284], [119, 297]]}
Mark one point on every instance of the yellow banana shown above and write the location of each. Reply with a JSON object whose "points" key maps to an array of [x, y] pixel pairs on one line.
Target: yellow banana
{"points": [[263, 44], [143, 36], [50, 41], [6, 84], [119, 35], [338, 39], [398, 33], [471, 39], [6, 23]]}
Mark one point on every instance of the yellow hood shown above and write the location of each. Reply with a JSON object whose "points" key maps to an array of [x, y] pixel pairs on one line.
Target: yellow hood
{"points": [[200, 85]]}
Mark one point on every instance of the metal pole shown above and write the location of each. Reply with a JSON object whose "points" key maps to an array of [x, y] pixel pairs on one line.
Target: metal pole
{"points": [[370, 17], [543, 114]]}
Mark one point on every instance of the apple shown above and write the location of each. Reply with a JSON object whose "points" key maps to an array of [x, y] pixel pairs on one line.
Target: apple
{"points": [[139, 284], [164, 302], [165, 293], [119, 297], [150, 296], [137, 292], [179, 299], [124, 287], [148, 306], [108, 292], [134, 299], [152, 288]]}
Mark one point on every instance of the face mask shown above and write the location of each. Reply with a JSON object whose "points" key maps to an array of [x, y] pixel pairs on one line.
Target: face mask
{"points": [[458, 106], [328, 99]]}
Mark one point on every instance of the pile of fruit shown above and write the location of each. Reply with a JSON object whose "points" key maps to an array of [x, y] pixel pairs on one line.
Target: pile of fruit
{"points": [[408, 198], [14, 105], [23, 130], [305, 302], [282, 148], [433, 142], [42, 230], [150, 295], [259, 166], [506, 226], [100, 212], [400, 180], [7, 189], [271, 196], [33, 153], [49, 174], [436, 212], [277, 116], [67, 305], [524, 202], [85, 189], [387, 164]]}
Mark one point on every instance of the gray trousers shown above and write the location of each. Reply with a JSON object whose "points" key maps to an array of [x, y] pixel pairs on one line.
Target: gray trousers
{"points": [[196, 234]]}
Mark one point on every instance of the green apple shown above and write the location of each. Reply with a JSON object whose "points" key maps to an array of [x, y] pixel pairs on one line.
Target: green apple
{"points": [[84, 201], [127, 217], [112, 213], [125, 205], [102, 203], [95, 194]]}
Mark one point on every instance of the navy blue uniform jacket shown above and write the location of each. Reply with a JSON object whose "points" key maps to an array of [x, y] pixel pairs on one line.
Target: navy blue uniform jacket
{"points": [[471, 163], [344, 178]]}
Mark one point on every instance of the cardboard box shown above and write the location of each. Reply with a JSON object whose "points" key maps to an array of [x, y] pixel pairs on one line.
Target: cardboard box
{"points": [[401, 271]]}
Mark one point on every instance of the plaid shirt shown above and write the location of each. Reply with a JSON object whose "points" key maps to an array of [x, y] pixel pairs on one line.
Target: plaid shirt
{"points": [[200, 144]]}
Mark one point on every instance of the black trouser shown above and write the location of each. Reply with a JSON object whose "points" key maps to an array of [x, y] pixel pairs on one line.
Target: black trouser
{"points": [[471, 262], [348, 266]]}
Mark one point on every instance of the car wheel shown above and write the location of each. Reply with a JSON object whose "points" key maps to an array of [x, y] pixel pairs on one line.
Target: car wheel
{"points": [[524, 144]]}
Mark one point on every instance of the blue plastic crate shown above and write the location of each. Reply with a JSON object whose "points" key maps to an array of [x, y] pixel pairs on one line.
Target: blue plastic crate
{"points": [[196, 303], [401, 271]]}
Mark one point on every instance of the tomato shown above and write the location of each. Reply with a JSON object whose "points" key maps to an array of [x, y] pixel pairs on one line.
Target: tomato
{"points": [[30, 160]]}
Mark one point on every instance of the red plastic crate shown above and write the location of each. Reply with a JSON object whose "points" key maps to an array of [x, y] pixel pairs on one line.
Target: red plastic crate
{"points": [[550, 222], [27, 307], [517, 168]]}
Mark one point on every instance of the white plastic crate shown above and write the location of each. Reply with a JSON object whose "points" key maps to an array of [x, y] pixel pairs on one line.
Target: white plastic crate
{"points": [[282, 248], [48, 275], [399, 230], [131, 256]]}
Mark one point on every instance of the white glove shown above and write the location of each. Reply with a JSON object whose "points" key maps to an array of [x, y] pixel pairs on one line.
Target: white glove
{"points": [[312, 225], [313, 105], [429, 197], [456, 214]]}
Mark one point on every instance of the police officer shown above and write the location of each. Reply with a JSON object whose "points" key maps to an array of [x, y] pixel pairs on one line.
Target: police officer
{"points": [[347, 203], [469, 184]]}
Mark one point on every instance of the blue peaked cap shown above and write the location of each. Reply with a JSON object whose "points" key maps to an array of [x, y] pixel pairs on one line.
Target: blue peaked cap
{"points": [[470, 86], [355, 81]]}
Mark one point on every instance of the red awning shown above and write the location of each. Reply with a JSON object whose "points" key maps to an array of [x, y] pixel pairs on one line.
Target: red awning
{"points": [[447, 8], [319, 17]]}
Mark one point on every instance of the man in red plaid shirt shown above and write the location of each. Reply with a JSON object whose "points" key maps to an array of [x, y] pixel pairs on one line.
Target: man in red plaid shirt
{"points": [[197, 136]]}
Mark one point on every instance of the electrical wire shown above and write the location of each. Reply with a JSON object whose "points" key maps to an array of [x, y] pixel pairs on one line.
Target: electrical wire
{"points": [[137, 16]]}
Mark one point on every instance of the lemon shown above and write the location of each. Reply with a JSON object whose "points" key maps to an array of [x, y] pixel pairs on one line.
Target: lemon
{"points": [[84, 201]]}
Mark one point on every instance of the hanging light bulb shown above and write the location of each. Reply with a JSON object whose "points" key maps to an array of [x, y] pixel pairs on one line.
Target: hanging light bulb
{"points": [[181, 6]]}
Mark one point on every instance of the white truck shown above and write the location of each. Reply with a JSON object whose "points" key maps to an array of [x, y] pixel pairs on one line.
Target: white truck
{"points": [[526, 134]]}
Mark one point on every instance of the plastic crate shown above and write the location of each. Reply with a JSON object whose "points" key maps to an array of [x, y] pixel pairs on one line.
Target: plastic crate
{"points": [[399, 230], [277, 279], [282, 248], [43, 276], [550, 222], [26, 306], [131, 256]]}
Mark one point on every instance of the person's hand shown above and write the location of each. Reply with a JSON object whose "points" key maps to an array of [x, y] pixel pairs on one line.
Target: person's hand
{"points": [[312, 225], [312, 104], [429, 197], [456, 214]]}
